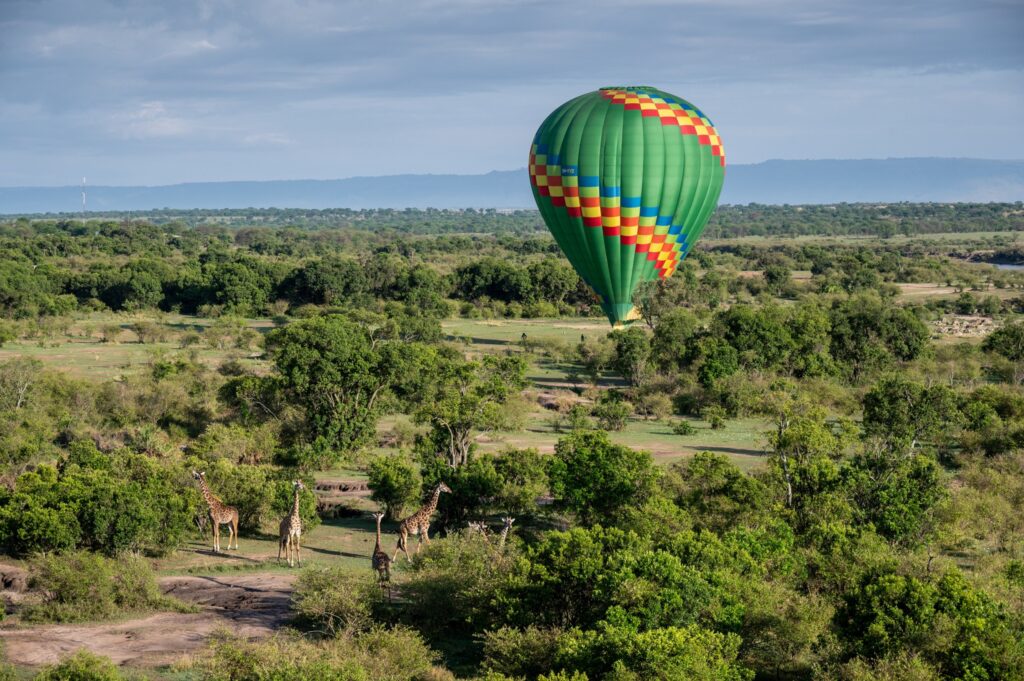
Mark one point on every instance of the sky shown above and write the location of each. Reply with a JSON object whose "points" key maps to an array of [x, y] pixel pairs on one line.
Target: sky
{"points": [[141, 92]]}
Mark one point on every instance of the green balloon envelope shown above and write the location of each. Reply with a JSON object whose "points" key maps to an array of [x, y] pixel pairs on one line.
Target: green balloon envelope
{"points": [[626, 179]]}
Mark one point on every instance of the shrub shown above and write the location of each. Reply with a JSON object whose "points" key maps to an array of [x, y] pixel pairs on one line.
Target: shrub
{"points": [[123, 501], [684, 428], [83, 586], [525, 652], [82, 666], [377, 655], [612, 412], [336, 601], [452, 585], [714, 415], [262, 495]]}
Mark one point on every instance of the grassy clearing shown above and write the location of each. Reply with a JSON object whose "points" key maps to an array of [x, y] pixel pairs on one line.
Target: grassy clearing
{"points": [[341, 541], [741, 440]]}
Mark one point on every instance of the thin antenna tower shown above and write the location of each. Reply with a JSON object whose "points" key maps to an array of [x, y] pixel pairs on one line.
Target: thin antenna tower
{"points": [[83, 197]]}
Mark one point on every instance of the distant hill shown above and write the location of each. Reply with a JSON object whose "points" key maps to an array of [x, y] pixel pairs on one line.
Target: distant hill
{"points": [[771, 182]]}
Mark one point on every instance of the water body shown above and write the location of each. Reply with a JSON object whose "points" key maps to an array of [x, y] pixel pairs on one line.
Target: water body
{"points": [[1008, 266]]}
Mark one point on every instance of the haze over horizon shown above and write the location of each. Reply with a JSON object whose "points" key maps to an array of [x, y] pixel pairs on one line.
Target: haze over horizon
{"points": [[149, 93]]}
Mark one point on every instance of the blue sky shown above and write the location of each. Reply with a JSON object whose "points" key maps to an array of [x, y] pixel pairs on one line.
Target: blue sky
{"points": [[145, 92]]}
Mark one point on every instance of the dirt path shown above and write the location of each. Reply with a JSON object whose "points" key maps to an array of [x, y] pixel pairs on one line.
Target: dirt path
{"points": [[251, 605]]}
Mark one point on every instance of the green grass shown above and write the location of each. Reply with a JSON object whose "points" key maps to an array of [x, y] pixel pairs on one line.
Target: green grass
{"points": [[741, 440], [508, 332], [341, 541]]}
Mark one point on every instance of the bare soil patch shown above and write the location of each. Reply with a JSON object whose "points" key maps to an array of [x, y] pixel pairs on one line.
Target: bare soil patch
{"points": [[250, 605]]}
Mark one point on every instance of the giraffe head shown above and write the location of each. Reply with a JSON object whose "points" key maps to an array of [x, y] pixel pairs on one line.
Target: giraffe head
{"points": [[443, 487], [297, 484], [378, 516], [199, 475], [508, 521]]}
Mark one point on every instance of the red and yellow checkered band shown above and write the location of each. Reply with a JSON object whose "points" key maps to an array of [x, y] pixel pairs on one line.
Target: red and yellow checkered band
{"points": [[689, 120]]}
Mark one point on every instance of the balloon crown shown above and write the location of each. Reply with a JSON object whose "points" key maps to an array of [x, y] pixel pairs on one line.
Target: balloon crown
{"points": [[632, 88]]}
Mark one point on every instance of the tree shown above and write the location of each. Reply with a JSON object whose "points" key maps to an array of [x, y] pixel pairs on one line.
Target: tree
{"points": [[331, 368], [905, 414], [868, 335], [395, 483], [552, 280], [673, 340], [464, 397], [632, 351], [596, 479], [777, 278], [718, 360], [1008, 342]]}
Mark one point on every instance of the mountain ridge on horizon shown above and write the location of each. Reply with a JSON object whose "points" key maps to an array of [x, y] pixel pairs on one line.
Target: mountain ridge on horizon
{"points": [[775, 181]]}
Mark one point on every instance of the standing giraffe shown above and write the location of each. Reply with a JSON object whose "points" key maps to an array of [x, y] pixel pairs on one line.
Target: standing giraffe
{"points": [[380, 560], [504, 531], [220, 514], [290, 537], [481, 527], [418, 523]]}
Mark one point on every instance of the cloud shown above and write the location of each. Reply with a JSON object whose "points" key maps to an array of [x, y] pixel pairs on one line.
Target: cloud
{"points": [[148, 120], [294, 86]]}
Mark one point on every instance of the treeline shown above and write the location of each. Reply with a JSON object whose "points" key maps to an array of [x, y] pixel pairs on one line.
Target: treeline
{"points": [[882, 220], [56, 267]]}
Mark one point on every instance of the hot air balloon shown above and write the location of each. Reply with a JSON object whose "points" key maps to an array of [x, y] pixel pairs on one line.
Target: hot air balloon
{"points": [[626, 179]]}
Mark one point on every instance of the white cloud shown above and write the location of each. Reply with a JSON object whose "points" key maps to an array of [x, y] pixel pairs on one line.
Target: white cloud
{"points": [[151, 120]]}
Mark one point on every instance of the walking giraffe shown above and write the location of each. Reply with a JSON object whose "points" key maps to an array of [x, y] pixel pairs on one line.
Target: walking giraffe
{"points": [[418, 523], [220, 514], [290, 538], [380, 560]]}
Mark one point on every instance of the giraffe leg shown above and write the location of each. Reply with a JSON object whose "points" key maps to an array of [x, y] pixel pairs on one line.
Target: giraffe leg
{"points": [[401, 544], [216, 537], [298, 550], [234, 531]]}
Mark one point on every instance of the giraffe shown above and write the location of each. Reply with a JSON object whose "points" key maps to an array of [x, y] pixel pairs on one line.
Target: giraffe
{"points": [[380, 560], [290, 537], [480, 527], [418, 523], [504, 531], [220, 514]]}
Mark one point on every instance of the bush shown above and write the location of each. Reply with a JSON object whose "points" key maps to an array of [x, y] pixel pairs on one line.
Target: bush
{"points": [[596, 479], [84, 586], [684, 428], [335, 601], [115, 502], [377, 655], [82, 666], [395, 483], [612, 412], [453, 584], [714, 415], [525, 652]]}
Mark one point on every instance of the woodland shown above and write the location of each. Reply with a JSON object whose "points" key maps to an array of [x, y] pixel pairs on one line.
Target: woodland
{"points": [[804, 461]]}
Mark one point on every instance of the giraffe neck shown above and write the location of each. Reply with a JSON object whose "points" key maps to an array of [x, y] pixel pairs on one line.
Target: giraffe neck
{"points": [[431, 506], [207, 495], [295, 504], [377, 547], [504, 535]]}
